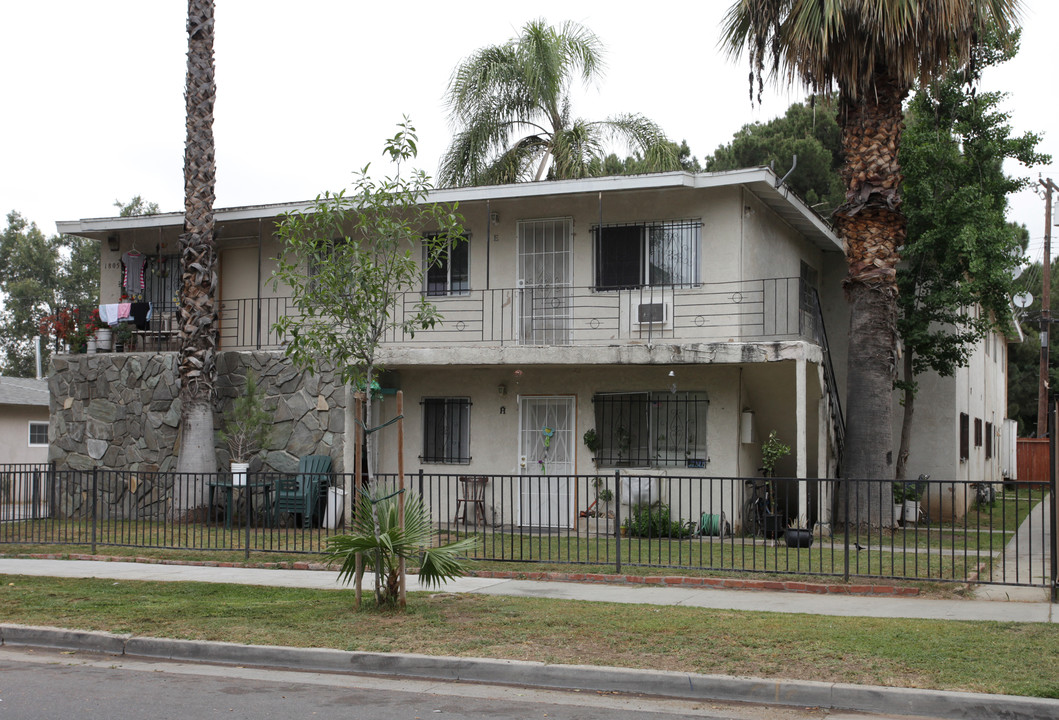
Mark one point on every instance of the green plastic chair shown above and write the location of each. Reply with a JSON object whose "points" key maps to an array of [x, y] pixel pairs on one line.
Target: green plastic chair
{"points": [[300, 495]]}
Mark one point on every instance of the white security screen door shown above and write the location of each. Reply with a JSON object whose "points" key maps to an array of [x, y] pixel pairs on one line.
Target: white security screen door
{"points": [[546, 441], [545, 277]]}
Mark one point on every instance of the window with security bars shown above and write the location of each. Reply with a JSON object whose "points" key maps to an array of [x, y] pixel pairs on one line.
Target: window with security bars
{"points": [[651, 429], [446, 430], [647, 254]]}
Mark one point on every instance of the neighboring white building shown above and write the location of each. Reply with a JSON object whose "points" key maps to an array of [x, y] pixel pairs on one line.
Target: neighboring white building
{"points": [[24, 440], [960, 428], [24, 420]]}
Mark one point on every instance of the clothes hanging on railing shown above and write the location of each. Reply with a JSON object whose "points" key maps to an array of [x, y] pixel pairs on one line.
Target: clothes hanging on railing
{"points": [[133, 280], [141, 314]]}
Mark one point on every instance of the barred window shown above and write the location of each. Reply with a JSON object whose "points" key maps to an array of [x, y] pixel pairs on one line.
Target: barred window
{"points": [[659, 253], [446, 430], [651, 429]]}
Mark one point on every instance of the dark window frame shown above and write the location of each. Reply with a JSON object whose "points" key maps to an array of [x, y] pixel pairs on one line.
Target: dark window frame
{"points": [[636, 254], [442, 279], [978, 432], [651, 429], [965, 436], [989, 441], [446, 430]]}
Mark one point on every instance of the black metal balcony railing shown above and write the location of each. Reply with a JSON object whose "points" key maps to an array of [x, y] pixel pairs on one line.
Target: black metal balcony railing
{"points": [[950, 532], [561, 315]]}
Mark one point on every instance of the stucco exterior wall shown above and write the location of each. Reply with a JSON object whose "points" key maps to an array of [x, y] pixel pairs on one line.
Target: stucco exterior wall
{"points": [[980, 391], [14, 433]]}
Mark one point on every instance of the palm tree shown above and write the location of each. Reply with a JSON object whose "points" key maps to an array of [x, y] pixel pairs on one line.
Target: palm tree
{"points": [[378, 536], [871, 52], [198, 256], [523, 86]]}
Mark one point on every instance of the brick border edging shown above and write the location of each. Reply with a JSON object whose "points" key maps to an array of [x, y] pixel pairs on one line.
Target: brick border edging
{"points": [[664, 580]]}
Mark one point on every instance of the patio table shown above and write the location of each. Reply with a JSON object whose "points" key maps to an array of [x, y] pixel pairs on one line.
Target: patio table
{"points": [[225, 484]]}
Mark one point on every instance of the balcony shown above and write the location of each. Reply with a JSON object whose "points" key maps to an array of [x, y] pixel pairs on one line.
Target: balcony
{"points": [[769, 310]]}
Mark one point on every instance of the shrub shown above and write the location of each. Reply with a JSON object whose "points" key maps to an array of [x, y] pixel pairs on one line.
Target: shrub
{"points": [[654, 521]]}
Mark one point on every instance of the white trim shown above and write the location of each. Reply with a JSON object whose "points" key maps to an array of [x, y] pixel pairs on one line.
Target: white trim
{"points": [[29, 433]]}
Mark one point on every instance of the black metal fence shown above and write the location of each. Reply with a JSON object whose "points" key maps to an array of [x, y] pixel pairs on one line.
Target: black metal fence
{"points": [[931, 530]]}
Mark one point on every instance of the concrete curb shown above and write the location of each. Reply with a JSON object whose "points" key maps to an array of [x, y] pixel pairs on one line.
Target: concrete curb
{"points": [[690, 686]]}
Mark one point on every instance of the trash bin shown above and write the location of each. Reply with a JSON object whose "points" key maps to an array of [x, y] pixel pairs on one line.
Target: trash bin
{"points": [[336, 502]]}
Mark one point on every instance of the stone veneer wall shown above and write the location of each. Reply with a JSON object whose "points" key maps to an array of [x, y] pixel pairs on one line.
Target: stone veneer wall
{"points": [[121, 411]]}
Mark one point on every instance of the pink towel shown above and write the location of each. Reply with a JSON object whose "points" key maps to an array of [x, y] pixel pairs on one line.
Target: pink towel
{"points": [[124, 310]]}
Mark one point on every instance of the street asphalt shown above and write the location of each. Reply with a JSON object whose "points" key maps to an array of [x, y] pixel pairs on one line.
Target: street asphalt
{"points": [[1033, 608]]}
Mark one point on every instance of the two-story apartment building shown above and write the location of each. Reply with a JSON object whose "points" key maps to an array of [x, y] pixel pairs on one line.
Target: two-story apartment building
{"points": [[678, 317], [653, 326]]}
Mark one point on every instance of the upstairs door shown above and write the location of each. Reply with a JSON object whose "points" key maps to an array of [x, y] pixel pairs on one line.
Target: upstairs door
{"points": [[238, 301], [545, 279], [546, 441]]}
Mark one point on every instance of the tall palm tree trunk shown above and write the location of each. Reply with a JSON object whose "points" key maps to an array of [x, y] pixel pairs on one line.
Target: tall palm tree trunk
{"points": [[198, 256], [873, 228]]}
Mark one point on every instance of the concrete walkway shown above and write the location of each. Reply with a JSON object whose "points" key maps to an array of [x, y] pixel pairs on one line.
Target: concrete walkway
{"points": [[1026, 559], [765, 601]]}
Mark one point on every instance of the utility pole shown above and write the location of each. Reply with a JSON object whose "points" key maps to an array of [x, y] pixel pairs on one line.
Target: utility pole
{"points": [[1046, 309]]}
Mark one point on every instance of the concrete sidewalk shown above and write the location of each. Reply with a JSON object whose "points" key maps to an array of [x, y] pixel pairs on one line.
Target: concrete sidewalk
{"points": [[757, 600], [888, 701]]}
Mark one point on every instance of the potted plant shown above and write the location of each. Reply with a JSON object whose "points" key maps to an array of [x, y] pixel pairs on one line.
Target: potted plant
{"points": [[797, 537], [78, 340], [247, 429], [907, 494], [104, 339], [123, 337], [772, 451]]}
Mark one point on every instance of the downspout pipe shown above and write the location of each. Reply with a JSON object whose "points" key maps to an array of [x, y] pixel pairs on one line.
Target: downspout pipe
{"points": [[794, 164]]}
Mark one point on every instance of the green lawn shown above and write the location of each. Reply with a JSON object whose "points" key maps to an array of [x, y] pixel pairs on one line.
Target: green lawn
{"points": [[971, 656]]}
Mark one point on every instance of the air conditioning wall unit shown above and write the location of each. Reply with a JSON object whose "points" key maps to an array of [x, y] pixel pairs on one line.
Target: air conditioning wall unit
{"points": [[651, 313]]}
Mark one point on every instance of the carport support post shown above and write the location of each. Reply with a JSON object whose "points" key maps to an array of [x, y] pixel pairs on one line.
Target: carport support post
{"points": [[801, 442]]}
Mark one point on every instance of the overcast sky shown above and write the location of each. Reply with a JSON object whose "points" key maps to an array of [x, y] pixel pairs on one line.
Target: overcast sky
{"points": [[306, 92]]}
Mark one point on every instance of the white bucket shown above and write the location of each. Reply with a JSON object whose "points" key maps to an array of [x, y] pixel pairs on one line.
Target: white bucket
{"points": [[336, 502]]}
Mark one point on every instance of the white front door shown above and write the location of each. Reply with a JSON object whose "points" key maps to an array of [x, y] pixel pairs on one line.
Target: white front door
{"points": [[546, 443], [545, 278]]}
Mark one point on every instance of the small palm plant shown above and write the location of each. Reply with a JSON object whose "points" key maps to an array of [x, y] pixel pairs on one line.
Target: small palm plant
{"points": [[377, 537]]}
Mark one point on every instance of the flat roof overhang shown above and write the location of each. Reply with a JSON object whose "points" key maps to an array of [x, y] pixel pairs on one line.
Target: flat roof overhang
{"points": [[762, 182]]}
